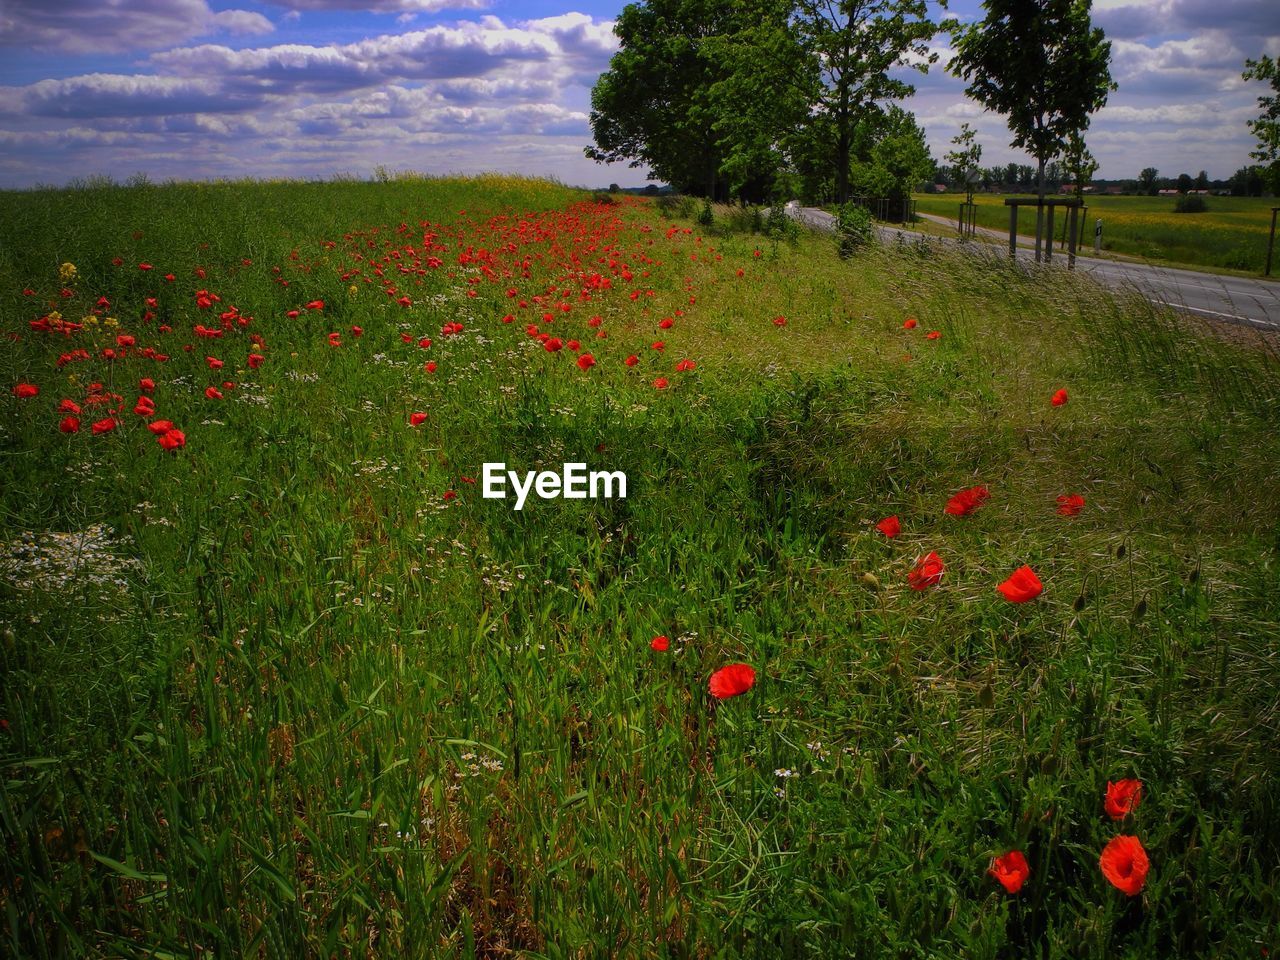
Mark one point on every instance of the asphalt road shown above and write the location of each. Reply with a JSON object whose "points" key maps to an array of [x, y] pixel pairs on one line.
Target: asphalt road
{"points": [[1233, 299]]}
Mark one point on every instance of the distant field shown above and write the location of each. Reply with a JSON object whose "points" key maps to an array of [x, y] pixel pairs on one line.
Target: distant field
{"points": [[1232, 234]]}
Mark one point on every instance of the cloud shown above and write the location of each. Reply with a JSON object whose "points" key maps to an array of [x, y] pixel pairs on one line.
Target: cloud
{"points": [[384, 6], [104, 95], [94, 26]]}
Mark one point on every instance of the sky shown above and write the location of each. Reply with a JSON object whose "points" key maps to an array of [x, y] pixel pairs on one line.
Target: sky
{"points": [[196, 89]]}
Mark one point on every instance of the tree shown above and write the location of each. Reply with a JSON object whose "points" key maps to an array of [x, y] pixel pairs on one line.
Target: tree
{"points": [[1148, 181], [1079, 164], [1202, 180], [1041, 63], [965, 158], [898, 162], [1185, 182], [851, 47], [1267, 127]]}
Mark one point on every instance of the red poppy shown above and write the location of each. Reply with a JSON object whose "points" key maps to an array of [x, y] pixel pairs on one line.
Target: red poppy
{"points": [[315, 305], [1059, 398], [146, 384], [429, 366], [144, 266], [632, 360], [927, 572], [213, 393], [25, 391], [172, 440], [450, 494], [910, 324], [1022, 586], [661, 383], [256, 360], [889, 526], [666, 323], [553, 344], [1070, 504], [574, 345], [779, 321], [70, 425], [1122, 798], [586, 361], [967, 501], [417, 419], [160, 427], [68, 406], [1124, 863], [214, 363], [733, 680], [293, 314], [105, 425], [661, 644], [357, 331], [933, 335], [1011, 870]]}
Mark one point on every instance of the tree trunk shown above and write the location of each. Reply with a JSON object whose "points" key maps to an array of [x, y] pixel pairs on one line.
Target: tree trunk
{"points": [[843, 149]]}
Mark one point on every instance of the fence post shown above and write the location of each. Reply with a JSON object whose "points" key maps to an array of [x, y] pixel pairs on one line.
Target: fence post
{"points": [[1071, 244], [1013, 230], [1271, 242]]}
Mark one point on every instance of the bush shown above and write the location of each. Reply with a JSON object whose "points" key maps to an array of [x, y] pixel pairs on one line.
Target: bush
{"points": [[779, 226], [853, 228], [705, 217], [1190, 203]]}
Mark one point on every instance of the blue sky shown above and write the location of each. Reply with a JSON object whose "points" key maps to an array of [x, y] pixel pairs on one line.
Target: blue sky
{"points": [[313, 88]]}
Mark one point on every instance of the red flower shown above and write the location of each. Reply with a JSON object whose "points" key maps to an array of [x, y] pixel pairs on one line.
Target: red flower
{"points": [[889, 526], [1122, 798], [684, 365], [731, 681], [450, 494], [553, 344], [70, 425], [214, 363], [927, 572], [1059, 398], [586, 361], [779, 321], [292, 314], [666, 323], [357, 331], [1070, 504], [429, 366], [967, 501], [661, 644], [632, 360], [910, 324], [68, 406], [160, 427], [1022, 586], [256, 360], [574, 345], [105, 425], [213, 393], [933, 335], [1124, 863], [661, 383], [144, 266], [1011, 870], [146, 384], [658, 345], [417, 419], [315, 305], [24, 391], [172, 440]]}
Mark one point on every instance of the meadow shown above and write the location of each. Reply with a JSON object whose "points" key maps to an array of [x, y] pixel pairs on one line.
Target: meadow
{"points": [[277, 681], [1231, 234]]}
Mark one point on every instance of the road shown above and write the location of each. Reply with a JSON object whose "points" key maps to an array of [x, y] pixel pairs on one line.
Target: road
{"points": [[1255, 303]]}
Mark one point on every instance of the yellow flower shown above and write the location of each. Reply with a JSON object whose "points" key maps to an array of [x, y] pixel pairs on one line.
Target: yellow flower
{"points": [[54, 316], [90, 321], [352, 290], [110, 322], [67, 272]]}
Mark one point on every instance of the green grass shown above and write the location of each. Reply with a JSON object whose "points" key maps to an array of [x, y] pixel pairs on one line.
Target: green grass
{"points": [[295, 701], [1231, 234]]}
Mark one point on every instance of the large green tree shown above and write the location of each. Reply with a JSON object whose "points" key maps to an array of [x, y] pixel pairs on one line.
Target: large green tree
{"points": [[1267, 127], [1043, 65]]}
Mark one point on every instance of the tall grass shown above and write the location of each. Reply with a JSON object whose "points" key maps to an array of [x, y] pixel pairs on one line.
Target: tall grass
{"points": [[330, 712]]}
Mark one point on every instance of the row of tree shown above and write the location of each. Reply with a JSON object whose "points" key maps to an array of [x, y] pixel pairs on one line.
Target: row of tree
{"points": [[757, 98]]}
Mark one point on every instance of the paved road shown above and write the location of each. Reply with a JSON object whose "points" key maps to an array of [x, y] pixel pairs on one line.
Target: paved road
{"points": [[1235, 299]]}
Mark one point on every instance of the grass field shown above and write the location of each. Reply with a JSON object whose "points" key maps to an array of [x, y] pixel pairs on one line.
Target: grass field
{"points": [[1231, 234], [294, 688]]}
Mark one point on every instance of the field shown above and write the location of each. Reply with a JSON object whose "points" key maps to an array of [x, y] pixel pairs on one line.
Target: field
{"points": [[1231, 234], [277, 681]]}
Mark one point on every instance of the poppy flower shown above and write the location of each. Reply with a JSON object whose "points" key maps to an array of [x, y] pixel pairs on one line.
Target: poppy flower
{"points": [[632, 360], [967, 501], [172, 440], [574, 345], [1010, 870], [292, 314], [1070, 504], [429, 366], [146, 384], [214, 363], [889, 526], [927, 572], [586, 361], [666, 323], [24, 391], [256, 360], [910, 324], [1124, 863], [661, 383], [1122, 798], [357, 331], [68, 406], [160, 427], [779, 321], [933, 335], [661, 644], [1022, 586], [553, 344], [213, 393], [144, 266], [1059, 398], [105, 425], [417, 419], [731, 681], [315, 305], [70, 425]]}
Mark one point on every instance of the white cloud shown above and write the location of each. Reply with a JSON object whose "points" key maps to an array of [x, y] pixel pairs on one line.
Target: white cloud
{"points": [[97, 26]]}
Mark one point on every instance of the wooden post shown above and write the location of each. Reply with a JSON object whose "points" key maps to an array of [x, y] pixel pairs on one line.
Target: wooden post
{"points": [[1013, 230], [1271, 242], [1048, 233], [1071, 243]]}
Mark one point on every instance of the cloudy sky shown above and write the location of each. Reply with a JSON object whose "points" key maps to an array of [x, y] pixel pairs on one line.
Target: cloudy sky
{"points": [[313, 88]]}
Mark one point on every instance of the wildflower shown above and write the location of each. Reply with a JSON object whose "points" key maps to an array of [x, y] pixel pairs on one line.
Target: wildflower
{"points": [[661, 383], [70, 425], [910, 324], [172, 440], [927, 572], [1059, 398], [660, 643], [1010, 870], [632, 360], [1022, 586], [967, 501], [160, 427], [1070, 504], [1122, 798], [213, 393], [889, 526], [67, 272], [417, 419], [731, 681], [25, 391], [586, 361], [1124, 863], [684, 365], [105, 425], [933, 335]]}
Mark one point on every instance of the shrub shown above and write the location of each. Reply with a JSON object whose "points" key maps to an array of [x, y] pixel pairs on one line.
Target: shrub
{"points": [[853, 228], [705, 217], [1190, 203], [779, 226]]}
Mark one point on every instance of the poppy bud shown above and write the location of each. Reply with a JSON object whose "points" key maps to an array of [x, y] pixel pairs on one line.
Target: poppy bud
{"points": [[987, 696]]}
